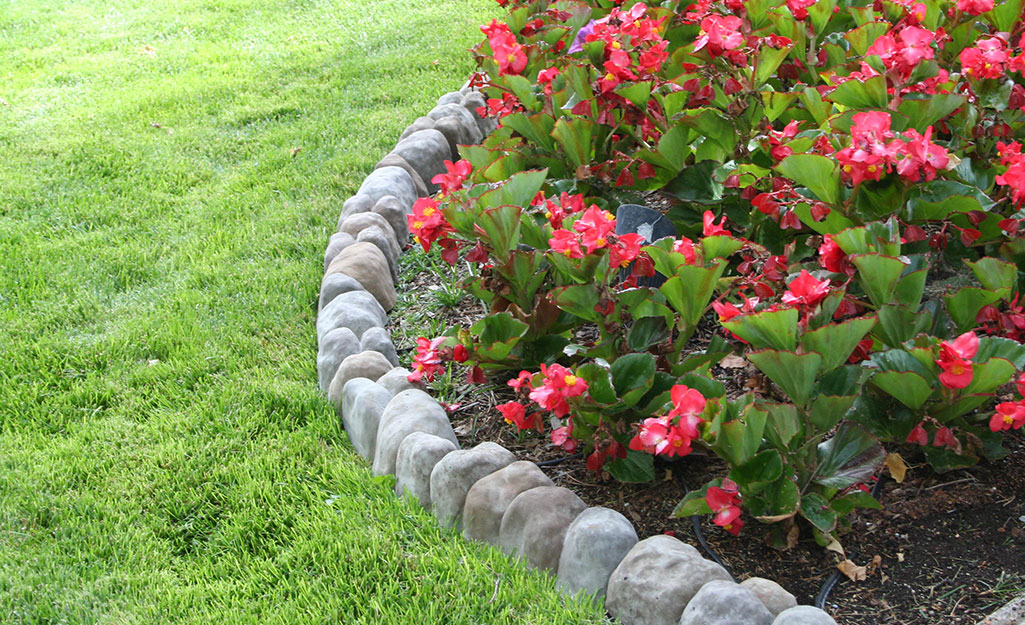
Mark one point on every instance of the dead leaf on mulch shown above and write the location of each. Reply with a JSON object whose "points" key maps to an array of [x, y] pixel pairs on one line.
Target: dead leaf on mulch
{"points": [[853, 572], [898, 468], [733, 361]]}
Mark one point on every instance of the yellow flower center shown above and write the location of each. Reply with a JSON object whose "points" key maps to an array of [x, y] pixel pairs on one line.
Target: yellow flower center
{"points": [[418, 224], [609, 216], [570, 380], [847, 168], [616, 45], [600, 241], [872, 169], [958, 369], [428, 211], [548, 214], [1008, 419], [610, 76]]}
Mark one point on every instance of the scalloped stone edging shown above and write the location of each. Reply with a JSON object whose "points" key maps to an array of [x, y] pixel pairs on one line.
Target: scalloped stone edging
{"points": [[485, 491]]}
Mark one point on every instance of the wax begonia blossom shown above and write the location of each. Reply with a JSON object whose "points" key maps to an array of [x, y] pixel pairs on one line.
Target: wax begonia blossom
{"points": [[986, 59], [595, 226], [563, 437], [626, 249], [918, 435], [426, 222], [558, 385], [955, 359], [832, 258], [566, 243], [719, 33], [805, 290], [1014, 177], [922, 158], [873, 148], [1008, 415], [452, 180], [515, 413], [710, 228], [975, 7], [723, 502], [428, 360]]}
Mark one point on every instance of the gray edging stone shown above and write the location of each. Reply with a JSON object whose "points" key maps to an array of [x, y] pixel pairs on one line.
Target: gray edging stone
{"points": [[596, 542], [409, 411], [457, 472]]}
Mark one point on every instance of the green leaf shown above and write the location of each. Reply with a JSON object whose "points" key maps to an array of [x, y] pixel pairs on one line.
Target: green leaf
{"points": [[632, 376], [694, 502], [778, 502], [794, 373], [638, 467], [828, 410], [964, 306], [818, 173], [522, 89], [997, 347], [647, 331], [768, 61], [812, 101], [846, 504], [579, 300], [775, 329], [498, 333], [740, 439], [817, 511], [850, 457], [907, 387], [939, 199], [878, 275], [776, 102], [575, 137], [536, 128], [783, 424], [759, 471], [696, 183], [502, 227], [899, 323], [927, 111], [712, 125], [637, 93], [989, 376], [720, 246], [856, 94], [862, 37], [599, 382], [995, 274], [1005, 14], [691, 289], [836, 342]]}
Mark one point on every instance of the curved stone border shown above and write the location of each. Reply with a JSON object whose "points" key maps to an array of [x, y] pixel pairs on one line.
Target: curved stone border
{"points": [[484, 491]]}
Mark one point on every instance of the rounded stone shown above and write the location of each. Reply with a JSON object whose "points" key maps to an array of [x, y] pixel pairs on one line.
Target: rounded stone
{"points": [[338, 242], [336, 346], [452, 478], [465, 119], [356, 223], [397, 381], [420, 123], [409, 411], [334, 285], [391, 209], [356, 310], [596, 542], [368, 265], [452, 97], [391, 181], [535, 523], [356, 204], [361, 414], [426, 151], [803, 615], [369, 365], [394, 160], [725, 603], [384, 242], [488, 499], [378, 340], [771, 594], [656, 580], [418, 454]]}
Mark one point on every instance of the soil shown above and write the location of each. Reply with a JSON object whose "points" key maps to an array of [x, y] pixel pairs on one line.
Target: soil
{"points": [[947, 548]]}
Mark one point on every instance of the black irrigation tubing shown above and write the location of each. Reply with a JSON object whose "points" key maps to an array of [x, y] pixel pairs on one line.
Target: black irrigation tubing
{"points": [[835, 578], [548, 463], [700, 535]]}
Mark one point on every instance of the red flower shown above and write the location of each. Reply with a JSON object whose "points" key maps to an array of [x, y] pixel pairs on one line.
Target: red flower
{"points": [[922, 157], [563, 437], [427, 223], [719, 33], [594, 226], [955, 360], [559, 384], [806, 291], [832, 258], [1008, 415], [522, 382], [516, 414], [671, 435], [945, 438], [918, 435], [710, 228], [428, 359], [626, 249], [453, 180], [723, 501], [975, 7], [565, 242]]}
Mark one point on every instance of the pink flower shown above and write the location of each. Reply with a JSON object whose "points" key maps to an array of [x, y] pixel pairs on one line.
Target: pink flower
{"points": [[563, 437], [985, 60], [428, 360], [805, 290], [626, 249], [1008, 415], [922, 157], [594, 226], [723, 501], [515, 414], [426, 223], [719, 33], [559, 384], [975, 7], [565, 242], [832, 258], [710, 228], [453, 180], [918, 435], [955, 360]]}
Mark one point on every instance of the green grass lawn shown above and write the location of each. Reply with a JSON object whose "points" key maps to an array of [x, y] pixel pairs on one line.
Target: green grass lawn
{"points": [[165, 456]]}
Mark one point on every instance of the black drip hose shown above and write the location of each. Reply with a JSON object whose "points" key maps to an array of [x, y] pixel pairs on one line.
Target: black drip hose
{"points": [[700, 535], [548, 463], [834, 579]]}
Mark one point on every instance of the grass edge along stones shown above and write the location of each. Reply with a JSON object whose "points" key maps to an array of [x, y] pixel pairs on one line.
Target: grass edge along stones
{"points": [[484, 491]]}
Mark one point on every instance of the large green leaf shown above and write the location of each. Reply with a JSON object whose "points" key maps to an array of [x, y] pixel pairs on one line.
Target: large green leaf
{"points": [[1005, 14], [637, 467], [878, 275], [740, 439], [502, 227], [964, 305], [575, 137], [638, 93], [768, 61], [818, 173], [899, 323], [776, 102], [647, 331], [691, 289], [794, 373], [816, 510], [850, 457], [864, 36], [775, 329], [783, 425], [995, 274], [997, 347], [535, 128], [836, 342], [828, 410], [907, 387], [599, 382], [927, 111], [857, 94], [579, 300], [632, 376], [990, 375], [777, 502], [758, 472], [939, 199], [498, 333]]}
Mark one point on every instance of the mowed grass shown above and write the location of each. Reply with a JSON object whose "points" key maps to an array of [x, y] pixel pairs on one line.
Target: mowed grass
{"points": [[169, 175]]}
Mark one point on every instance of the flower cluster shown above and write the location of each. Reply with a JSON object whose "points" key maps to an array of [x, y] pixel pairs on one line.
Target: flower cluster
{"points": [[874, 150], [671, 434], [723, 501], [955, 359], [509, 54]]}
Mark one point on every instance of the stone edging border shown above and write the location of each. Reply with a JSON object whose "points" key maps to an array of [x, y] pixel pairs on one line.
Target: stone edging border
{"points": [[485, 491]]}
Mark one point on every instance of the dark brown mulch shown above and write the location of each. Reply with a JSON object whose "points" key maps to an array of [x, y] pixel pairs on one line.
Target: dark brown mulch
{"points": [[949, 547]]}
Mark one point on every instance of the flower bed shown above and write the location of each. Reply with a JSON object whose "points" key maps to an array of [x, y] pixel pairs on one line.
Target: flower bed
{"points": [[843, 184]]}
